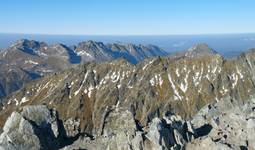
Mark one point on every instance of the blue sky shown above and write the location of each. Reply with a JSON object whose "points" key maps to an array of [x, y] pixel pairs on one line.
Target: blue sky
{"points": [[127, 17]]}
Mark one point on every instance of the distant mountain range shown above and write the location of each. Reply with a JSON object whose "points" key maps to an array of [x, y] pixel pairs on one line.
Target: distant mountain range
{"points": [[228, 45], [26, 60]]}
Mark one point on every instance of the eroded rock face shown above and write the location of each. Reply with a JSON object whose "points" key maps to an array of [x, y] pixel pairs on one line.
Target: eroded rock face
{"points": [[18, 133], [36, 127]]}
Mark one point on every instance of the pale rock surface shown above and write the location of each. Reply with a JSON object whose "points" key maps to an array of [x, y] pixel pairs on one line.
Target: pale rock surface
{"points": [[36, 127]]}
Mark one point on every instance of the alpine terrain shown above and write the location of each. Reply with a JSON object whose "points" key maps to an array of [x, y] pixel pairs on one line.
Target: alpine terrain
{"points": [[191, 100], [26, 60]]}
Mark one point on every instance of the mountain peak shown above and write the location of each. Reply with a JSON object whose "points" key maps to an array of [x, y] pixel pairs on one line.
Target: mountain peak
{"points": [[27, 43], [200, 47], [90, 45], [198, 50], [58, 46], [28, 46], [91, 42]]}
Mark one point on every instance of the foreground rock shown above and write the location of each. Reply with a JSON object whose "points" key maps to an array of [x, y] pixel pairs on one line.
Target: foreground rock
{"points": [[120, 131], [36, 127], [223, 125]]}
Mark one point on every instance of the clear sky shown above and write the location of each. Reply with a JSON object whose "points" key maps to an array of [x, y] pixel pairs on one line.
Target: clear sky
{"points": [[127, 17]]}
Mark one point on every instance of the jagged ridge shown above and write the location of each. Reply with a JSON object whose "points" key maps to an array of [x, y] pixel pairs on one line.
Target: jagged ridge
{"points": [[39, 59]]}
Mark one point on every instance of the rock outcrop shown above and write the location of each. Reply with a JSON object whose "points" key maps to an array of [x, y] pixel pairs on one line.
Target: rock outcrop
{"points": [[214, 127], [220, 125], [225, 125], [36, 127]]}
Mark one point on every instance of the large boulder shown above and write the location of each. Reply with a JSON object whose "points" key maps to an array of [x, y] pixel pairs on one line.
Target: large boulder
{"points": [[18, 133], [36, 127]]}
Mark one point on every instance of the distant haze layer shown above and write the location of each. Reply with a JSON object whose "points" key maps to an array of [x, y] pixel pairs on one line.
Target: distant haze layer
{"points": [[228, 45]]}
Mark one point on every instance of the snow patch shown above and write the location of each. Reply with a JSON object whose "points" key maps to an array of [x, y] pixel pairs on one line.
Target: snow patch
{"points": [[31, 62], [146, 65], [130, 87], [184, 86], [90, 90], [156, 80], [177, 72], [214, 69], [24, 100], [239, 73], [41, 54], [234, 78], [115, 77], [152, 81], [176, 93], [4, 54], [82, 52], [197, 77], [16, 101], [84, 80], [224, 90]]}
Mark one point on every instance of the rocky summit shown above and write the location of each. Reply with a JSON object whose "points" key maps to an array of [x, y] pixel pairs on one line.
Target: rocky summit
{"points": [[193, 100]]}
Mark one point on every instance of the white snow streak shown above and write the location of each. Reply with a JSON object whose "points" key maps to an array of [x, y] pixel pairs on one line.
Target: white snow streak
{"points": [[174, 88], [84, 80], [23, 100]]}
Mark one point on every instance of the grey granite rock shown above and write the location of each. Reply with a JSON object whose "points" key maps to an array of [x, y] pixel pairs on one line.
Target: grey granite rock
{"points": [[215, 127], [18, 134], [36, 127]]}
